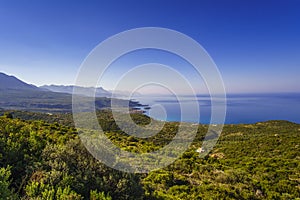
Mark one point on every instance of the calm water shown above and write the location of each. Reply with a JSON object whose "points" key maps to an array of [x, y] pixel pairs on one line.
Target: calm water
{"points": [[249, 108]]}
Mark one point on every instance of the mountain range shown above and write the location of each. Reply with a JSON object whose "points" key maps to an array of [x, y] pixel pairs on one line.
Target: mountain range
{"points": [[18, 95], [86, 91], [12, 83]]}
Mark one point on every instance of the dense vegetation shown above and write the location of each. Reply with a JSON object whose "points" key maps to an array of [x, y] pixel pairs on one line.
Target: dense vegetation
{"points": [[41, 157]]}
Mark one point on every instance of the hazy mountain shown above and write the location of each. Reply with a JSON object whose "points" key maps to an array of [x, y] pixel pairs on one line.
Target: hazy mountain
{"points": [[86, 91], [10, 82], [18, 95]]}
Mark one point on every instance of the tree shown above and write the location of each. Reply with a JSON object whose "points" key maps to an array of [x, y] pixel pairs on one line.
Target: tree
{"points": [[5, 192]]}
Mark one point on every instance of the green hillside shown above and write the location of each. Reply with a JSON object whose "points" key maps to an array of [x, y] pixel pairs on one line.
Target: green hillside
{"points": [[41, 157]]}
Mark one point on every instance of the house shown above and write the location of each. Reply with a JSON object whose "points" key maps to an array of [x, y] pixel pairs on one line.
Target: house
{"points": [[200, 150]]}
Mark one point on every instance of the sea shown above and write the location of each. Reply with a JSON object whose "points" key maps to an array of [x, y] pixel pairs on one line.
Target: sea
{"points": [[240, 108]]}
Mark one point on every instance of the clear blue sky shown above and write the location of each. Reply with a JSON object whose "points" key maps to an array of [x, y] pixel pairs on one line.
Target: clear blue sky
{"points": [[255, 44]]}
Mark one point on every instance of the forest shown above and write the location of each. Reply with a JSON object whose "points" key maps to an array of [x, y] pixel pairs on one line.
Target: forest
{"points": [[42, 157]]}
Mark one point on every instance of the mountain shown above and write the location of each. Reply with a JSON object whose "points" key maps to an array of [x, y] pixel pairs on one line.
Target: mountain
{"points": [[86, 91], [18, 95], [12, 83]]}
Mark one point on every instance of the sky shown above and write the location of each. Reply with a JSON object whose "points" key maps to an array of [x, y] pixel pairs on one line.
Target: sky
{"points": [[255, 44]]}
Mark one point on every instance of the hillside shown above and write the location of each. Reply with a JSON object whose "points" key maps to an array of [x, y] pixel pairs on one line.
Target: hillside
{"points": [[18, 95], [47, 159], [12, 83]]}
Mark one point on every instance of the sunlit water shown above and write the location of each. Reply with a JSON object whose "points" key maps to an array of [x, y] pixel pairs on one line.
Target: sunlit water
{"points": [[250, 108]]}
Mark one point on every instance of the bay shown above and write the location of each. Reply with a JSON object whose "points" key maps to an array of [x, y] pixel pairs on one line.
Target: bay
{"points": [[240, 108]]}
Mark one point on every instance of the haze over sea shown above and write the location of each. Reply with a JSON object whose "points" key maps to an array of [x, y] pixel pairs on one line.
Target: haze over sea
{"points": [[241, 108]]}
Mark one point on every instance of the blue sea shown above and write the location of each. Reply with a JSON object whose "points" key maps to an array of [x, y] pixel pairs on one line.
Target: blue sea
{"points": [[240, 108]]}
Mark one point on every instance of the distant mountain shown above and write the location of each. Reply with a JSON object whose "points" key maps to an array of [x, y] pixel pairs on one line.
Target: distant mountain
{"points": [[12, 83], [18, 95], [86, 91]]}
